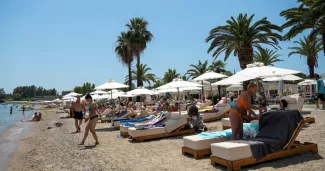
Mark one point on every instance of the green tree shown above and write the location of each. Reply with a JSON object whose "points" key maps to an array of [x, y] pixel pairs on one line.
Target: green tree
{"points": [[140, 36], [85, 88], [145, 76], [16, 97], [228, 73], [218, 66], [198, 69], [308, 47], [301, 75], [158, 83], [78, 89], [170, 75], [2, 93], [185, 78], [267, 56], [240, 36], [124, 53], [310, 14]]}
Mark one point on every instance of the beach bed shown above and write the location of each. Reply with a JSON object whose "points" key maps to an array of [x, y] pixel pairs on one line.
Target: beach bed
{"points": [[222, 110], [236, 154], [174, 126]]}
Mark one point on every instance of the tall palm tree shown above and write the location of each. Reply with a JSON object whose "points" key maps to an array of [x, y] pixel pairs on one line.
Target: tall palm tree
{"points": [[240, 36], [124, 53], [267, 56], [308, 47], [185, 78], [170, 75], [310, 14], [144, 75], [198, 70], [140, 36]]}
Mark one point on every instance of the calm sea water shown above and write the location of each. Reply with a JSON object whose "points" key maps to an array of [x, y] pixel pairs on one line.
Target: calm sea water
{"points": [[11, 130]]}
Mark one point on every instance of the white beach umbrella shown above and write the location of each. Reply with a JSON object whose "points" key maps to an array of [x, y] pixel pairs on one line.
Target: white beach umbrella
{"points": [[285, 78], [99, 92], [235, 87], [169, 90], [141, 91], [178, 84], [307, 82], [110, 85], [72, 94], [125, 95], [57, 101], [254, 71], [209, 75]]}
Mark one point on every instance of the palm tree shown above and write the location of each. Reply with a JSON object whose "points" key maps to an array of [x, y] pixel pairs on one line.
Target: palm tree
{"points": [[144, 75], [241, 36], [308, 47], [198, 70], [159, 82], [218, 66], [124, 53], [267, 56], [170, 75], [140, 36], [309, 15], [185, 78]]}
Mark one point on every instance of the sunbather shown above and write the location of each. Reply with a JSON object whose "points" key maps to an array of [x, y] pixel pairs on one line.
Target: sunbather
{"points": [[240, 109], [93, 119]]}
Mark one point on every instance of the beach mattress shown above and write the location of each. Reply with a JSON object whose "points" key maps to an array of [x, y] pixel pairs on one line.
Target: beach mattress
{"points": [[221, 111], [196, 142], [174, 123], [177, 113], [133, 132], [231, 151], [226, 122]]}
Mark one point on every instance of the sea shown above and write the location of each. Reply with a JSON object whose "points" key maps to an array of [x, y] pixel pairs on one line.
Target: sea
{"points": [[12, 130]]}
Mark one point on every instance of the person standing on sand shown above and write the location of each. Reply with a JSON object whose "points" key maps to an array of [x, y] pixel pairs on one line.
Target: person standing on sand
{"points": [[93, 119], [77, 108], [320, 92]]}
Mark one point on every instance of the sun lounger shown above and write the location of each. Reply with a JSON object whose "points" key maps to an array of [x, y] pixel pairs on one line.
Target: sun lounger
{"points": [[199, 146], [124, 129], [207, 117], [175, 125], [109, 119], [236, 154]]}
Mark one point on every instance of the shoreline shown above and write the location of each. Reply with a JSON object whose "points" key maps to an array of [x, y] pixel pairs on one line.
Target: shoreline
{"points": [[57, 149]]}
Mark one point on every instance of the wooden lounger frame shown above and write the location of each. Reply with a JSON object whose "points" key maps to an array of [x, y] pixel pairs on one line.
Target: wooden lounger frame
{"points": [[292, 148], [180, 131], [199, 154], [124, 134]]}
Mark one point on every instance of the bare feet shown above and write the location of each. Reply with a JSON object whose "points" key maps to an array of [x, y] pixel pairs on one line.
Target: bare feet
{"points": [[96, 143], [82, 143]]}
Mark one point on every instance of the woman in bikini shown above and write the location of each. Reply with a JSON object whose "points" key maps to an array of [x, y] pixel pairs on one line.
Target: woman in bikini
{"points": [[242, 105], [77, 108], [93, 119]]}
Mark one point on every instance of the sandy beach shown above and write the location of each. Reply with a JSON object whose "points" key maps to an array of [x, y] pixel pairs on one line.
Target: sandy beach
{"points": [[57, 149]]}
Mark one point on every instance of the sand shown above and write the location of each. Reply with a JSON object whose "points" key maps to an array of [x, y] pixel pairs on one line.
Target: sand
{"points": [[57, 149]]}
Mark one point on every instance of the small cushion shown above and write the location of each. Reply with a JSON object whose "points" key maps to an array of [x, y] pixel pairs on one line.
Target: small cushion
{"points": [[231, 151]]}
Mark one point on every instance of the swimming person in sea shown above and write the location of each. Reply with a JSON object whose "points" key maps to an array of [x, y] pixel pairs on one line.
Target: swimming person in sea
{"points": [[77, 108], [240, 108], [93, 119]]}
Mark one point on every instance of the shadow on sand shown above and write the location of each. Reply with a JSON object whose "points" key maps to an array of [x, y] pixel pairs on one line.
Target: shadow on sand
{"points": [[88, 147], [110, 129]]}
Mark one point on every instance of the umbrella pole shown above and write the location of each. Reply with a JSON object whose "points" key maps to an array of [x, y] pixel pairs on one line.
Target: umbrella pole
{"points": [[179, 108]]}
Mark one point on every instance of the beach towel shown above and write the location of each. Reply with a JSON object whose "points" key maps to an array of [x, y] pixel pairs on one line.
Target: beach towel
{"points": [[213, 110], [275, 130], [155, 123], [250, 130], [139, 120]]}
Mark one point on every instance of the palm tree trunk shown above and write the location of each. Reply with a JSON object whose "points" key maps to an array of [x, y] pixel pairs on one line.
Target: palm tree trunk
{"points": [[130, 76], [245, 56], [138, 72], [323, 36], [219, 87], [311, 71]]}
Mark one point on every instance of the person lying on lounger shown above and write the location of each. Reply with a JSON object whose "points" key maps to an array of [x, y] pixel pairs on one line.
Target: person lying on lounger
{"points": [[283, 105]]}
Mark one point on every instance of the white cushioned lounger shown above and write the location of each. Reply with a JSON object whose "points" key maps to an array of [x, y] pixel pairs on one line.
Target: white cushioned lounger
{"points": [[170, 125], [222, 110], [231, 151]]}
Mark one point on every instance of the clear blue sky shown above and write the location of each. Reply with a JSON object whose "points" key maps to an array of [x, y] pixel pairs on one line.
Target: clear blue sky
{"points": [[60, 44]]}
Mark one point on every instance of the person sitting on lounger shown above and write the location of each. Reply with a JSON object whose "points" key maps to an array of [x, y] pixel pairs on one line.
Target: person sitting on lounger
{"points": [[240, 108], [283, 105], [175, 108], [165, 107]]}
